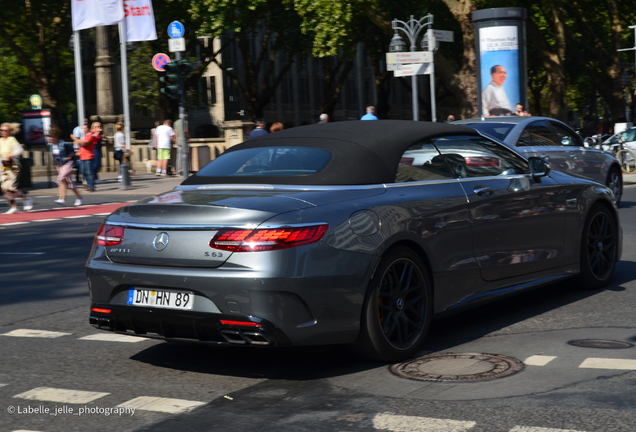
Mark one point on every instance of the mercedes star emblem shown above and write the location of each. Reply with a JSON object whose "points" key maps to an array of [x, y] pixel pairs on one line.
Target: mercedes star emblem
{"points": [[161, 241]]}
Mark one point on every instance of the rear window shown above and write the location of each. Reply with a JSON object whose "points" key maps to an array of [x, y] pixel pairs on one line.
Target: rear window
{"points": [[268, 161], [497, 130]]}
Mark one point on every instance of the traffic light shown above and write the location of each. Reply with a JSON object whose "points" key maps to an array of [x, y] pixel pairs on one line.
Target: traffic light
{"points": [[170, 81], [185, 67]]}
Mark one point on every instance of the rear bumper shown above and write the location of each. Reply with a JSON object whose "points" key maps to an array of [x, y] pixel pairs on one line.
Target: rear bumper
{"points": [[186, 326]]}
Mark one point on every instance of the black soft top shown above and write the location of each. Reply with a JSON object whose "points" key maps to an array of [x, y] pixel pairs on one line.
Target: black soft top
{"points": [[364, 152]]}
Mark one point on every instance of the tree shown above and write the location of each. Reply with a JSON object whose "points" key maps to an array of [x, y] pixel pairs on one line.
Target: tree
{"points": [[37, 33], [268, 37]]}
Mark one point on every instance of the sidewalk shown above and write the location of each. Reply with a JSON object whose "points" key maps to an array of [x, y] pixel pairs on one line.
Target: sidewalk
{"points": [[140, 183]]}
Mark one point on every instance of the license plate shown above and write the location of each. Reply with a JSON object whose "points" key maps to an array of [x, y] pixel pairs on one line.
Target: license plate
{"points": [[161, 298]]}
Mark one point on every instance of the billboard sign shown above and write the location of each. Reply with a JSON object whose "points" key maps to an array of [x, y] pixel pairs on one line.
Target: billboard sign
{"points": [[499, 56], [36, 124]]}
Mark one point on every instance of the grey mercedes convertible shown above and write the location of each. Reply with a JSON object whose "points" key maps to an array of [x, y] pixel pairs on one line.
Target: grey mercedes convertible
{"points": [[352, 233]]}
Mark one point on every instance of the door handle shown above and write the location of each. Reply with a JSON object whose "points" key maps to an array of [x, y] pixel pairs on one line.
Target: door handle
{"points": [[544, 156], [483, 191]]}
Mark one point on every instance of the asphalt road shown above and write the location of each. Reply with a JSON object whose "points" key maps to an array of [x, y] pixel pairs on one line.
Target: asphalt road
{"points": [[52, 363]]}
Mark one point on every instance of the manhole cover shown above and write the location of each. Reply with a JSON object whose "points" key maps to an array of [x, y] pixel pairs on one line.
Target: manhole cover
{"points": [[460, 367], [600, 343]]}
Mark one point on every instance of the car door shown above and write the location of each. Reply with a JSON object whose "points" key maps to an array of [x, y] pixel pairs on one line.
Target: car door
{"points": [[540, 136], [517, 221], [585, 161]]}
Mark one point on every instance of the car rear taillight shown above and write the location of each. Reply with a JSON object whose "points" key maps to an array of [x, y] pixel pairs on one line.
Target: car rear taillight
{"points": [[109, 235], [406, 161], [100, 310], [238, 240]]}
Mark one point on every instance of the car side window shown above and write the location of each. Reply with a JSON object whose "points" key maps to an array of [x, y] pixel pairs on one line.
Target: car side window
{"points": [[566, 138], [421, 162], [479, 157], [539, 133]]}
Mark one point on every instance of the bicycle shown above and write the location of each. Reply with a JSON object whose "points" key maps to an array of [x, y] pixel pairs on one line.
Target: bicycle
{"points": [[625, 157]]}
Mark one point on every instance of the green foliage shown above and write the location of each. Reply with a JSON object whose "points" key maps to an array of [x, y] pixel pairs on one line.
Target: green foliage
{"points": [[144, 85], [15, 87]]}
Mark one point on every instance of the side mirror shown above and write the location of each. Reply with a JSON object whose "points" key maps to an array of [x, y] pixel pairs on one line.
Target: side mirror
{"points": [[589, 142], [538, 167]]}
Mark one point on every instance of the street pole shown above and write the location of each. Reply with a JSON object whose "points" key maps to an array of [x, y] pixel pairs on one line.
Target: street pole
{"points": [[412, 29], [182, 140], [124, 170], [79, 85]]}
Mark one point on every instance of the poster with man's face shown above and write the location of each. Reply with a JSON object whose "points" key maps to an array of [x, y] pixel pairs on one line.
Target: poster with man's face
{"points": [[499, 59]]}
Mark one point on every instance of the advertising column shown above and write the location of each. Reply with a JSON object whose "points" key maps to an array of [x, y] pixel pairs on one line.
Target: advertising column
{"points": [[501, 60]]}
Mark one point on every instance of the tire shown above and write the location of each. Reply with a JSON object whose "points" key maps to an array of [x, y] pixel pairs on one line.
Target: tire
{"points": [[599, 248], [627, 159], [615, 183], [397, 309]]}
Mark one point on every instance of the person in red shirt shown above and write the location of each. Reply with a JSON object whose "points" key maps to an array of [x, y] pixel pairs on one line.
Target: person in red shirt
{"points": [[86, 146]]}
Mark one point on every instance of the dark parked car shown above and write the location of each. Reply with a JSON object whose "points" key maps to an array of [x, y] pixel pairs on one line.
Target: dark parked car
{"points": [[330, 234], [555, 142]]}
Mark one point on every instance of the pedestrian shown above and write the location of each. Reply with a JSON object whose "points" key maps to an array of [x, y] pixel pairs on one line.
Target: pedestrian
{"points": [[259, 130], [324, 118], [64, 158], [79, 132], [97, 160], [370, 115], [121, 152], [86, 154], [450, 118], [165, 138], [10, 151], [276, 127], [152, 143], [520, 111]]}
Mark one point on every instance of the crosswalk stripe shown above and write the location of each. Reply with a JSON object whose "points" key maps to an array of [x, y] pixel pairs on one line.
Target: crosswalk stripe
{"points": [[60, 395], [399, 423], [166, 405], [34, 333], [605, 363], [538, 360], [539, 429], [113, 338]]}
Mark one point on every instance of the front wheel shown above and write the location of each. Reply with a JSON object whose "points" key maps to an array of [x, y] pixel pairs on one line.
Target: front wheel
{"points": [[599, 248], [627, 159], [615, 183], [397, 308]]}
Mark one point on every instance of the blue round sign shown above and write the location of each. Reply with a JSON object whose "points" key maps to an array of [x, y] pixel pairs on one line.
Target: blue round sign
{"points": [[176, 30]]}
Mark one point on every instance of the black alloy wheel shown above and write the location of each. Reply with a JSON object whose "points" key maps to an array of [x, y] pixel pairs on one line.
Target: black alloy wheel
{"points": [[615, 183], [599, 248], [397, 309]]}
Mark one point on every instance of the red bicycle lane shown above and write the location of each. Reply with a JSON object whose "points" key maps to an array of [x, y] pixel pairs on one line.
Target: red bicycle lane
{"points": [[59, 213]]}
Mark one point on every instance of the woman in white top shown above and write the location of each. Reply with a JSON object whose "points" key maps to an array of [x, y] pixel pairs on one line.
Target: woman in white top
{"points": [[10, 151]]}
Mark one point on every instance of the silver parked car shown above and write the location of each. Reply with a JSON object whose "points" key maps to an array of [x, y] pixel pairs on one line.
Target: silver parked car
{"points": [[555, 142], [331, 234]]}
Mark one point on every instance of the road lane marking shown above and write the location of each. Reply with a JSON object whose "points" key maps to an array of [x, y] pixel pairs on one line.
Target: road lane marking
{"points": [[113, 338], [166, 405], [538, 360], [77, 217], [22, 253], [399, 423], [60, 395], [605, 363], [34, 333], [539, 429]]}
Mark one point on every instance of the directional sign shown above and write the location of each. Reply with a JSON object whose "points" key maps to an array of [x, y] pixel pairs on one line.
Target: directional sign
{"points": [[413, 69], [393, 67], [409, 57], [444, 36], [176, 30], [175, 45], [159, 61]]}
